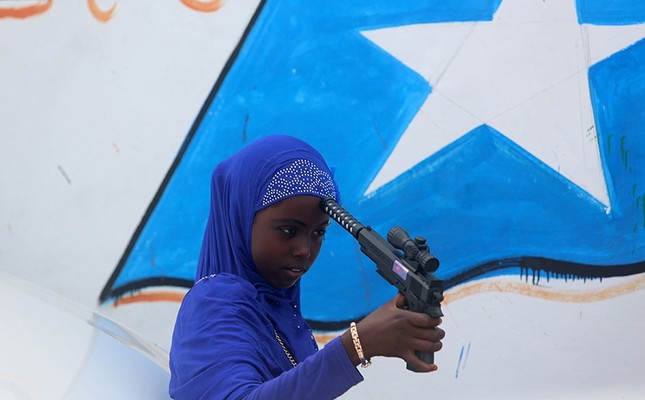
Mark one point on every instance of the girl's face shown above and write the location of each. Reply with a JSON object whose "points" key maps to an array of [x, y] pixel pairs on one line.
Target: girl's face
{"points": [[286, 239]]}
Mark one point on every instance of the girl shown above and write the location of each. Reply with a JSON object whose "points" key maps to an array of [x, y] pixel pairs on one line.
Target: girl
{"points": [[239, 332]]}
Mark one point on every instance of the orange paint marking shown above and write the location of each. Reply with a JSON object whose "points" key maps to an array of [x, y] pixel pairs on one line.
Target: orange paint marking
{"points": [[101, 15], [204, 6], [458, 293], [26, 11], [150, 297], [324, 338], [526, 289]]}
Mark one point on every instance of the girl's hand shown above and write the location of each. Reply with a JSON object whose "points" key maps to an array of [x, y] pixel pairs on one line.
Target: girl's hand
{"points": [[392, 331]]}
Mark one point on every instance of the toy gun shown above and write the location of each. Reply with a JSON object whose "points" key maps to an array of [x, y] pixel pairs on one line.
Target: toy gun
{"points": [[405, 263]]}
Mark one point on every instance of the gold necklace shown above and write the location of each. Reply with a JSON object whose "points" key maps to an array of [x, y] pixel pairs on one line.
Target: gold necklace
{"points": [[293, 362]]}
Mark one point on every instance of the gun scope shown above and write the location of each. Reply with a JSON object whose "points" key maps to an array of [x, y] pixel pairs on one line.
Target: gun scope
{"points": [[416, 249]]}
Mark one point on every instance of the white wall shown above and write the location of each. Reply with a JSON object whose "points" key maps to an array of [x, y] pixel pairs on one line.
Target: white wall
{"points": [[92, 116]]}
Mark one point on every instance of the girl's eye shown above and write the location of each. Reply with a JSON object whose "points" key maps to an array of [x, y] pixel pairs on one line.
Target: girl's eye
{"points": [[319, 233], [288, 231], [291, 231]]}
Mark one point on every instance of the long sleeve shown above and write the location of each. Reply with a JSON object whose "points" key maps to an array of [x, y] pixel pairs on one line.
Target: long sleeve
{"points": [[325, 375]]}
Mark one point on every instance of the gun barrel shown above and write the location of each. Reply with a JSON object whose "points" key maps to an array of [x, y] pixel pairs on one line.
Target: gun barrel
{"points": [[340, 215]]}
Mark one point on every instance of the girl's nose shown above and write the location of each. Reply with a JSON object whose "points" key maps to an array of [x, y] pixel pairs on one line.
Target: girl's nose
{"points": [[303, 248]]}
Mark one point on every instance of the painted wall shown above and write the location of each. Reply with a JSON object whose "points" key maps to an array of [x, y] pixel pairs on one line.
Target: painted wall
{"points": [[505, 132]]}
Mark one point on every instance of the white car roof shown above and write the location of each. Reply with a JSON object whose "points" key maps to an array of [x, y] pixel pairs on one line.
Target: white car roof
{"points": [[53, 348]]}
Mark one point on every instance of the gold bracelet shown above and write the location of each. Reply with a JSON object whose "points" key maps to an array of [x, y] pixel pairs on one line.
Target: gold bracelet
{"points": [[365, 362]]}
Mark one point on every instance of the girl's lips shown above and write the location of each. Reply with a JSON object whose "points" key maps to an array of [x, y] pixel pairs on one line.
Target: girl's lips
{"points": [[296, 272]]}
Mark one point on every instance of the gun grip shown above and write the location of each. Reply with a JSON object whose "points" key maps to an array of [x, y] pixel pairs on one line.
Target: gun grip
{"points": [[425, 356]]}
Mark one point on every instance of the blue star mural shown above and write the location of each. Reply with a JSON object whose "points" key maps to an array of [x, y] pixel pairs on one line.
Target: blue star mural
{"points": [[486, 206]]}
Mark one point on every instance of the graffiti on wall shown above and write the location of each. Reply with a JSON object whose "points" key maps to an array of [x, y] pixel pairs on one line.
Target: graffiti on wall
{"points": [[508, 134], [26, 8]]}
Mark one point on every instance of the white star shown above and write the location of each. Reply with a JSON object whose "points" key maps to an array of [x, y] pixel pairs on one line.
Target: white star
{"points": [[524, 74]]}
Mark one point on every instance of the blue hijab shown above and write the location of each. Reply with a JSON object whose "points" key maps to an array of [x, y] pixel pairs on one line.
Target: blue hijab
{"points": [[264, 172]]}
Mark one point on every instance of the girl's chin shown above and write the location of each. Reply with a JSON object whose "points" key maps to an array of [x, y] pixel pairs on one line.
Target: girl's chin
{"points": [[287, 280]]}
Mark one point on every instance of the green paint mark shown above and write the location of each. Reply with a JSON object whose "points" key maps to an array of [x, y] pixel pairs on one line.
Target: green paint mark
{"points": [[643, 207], [624, 152]]}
